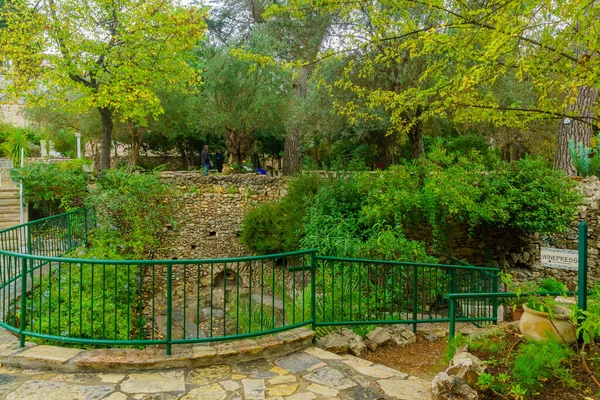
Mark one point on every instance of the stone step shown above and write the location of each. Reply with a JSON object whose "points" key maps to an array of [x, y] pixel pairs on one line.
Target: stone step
{"points": [[9, 193], [9, 201]]}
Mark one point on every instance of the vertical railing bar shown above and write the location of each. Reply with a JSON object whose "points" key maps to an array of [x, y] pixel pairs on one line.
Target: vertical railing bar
{"points": [[283, 291], [103, 301], [198, 286], [313, 294], [116, 306], [23, 303], [212, 280], [169, 306], [262, 292], [225, 299], [184, 300]]}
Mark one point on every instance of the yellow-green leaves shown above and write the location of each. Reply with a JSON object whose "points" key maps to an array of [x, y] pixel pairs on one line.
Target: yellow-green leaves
{"points": [[100, 53]]}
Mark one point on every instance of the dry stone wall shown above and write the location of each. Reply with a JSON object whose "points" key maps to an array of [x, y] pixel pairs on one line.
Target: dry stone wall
{"points": [[212, 209]]}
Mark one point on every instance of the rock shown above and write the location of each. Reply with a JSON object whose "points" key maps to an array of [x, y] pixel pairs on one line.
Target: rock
{"points": [[334, 342], [446, 387], [467, 367], [402, 335], [377, 337], [356, 345]]}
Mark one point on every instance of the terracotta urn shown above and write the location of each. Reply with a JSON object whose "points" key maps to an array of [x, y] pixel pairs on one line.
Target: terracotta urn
{"points": [[538, 325]]}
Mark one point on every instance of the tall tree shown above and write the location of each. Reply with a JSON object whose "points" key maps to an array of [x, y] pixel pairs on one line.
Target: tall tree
{"points": [[467, 46], [241, 97], [108, 55]]}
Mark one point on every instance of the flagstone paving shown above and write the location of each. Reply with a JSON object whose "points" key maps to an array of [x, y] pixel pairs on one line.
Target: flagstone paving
{"points": [[311, 374]]}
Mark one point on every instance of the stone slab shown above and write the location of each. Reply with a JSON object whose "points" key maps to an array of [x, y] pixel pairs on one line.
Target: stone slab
{"points": [[211, 392], [297, 362], [406, 389], [50, 390], [207, 375], [154, 382], [331, 378], [49, 354], [117, 360], [254, 389]]}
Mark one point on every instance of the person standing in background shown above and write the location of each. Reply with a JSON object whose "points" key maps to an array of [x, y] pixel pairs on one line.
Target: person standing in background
{"points": [[205, 158], [219, 158]]}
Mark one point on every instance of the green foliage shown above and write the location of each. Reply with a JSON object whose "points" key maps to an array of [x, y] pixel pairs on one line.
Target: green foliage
{"points": [[588, 322], [586, 160], [132, 211], [53, 188], [538, 361], [278, 227], [87, 301]]}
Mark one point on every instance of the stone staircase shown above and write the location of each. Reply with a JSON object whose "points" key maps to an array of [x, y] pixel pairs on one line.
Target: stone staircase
{"points": [[9, 207]]}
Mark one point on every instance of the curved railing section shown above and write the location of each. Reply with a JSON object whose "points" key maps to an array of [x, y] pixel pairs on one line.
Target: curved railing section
{"points": [[47, 292]]}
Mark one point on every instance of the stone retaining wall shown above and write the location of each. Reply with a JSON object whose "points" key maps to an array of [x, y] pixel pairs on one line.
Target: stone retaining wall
{"points": [[214, 206]]}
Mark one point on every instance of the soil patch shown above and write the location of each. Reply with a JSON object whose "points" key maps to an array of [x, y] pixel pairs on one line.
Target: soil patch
{"points": [[423, 358]]}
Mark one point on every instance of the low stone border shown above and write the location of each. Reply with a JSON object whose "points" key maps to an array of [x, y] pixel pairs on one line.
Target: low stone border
{"points": [[68, 359]]}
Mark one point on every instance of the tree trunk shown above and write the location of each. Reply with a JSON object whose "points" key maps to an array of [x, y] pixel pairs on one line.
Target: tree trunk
{"points": [[579, 130], [292, 151], [415, 136], [135, 135], [107, 127]]}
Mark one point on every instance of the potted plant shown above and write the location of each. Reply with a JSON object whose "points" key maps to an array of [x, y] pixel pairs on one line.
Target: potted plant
{"points": [[542, 317]]}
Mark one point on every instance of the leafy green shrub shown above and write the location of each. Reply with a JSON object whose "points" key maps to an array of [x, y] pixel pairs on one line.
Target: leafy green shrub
{"points": [[87, 301], [552, 285], [539, 361], [278, 227], [54, 188], [131, 212]]}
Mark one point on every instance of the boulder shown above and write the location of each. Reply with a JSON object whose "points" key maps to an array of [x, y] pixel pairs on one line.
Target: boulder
{"points": [[402, 335], [467, 367], [356, 345], [334, 342], [342, 342], [446, 387], [377, 337]]}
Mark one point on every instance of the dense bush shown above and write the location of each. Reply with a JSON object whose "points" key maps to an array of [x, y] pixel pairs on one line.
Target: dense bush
{"points": [[278, 227], [367, 214], [132, 211], [54, 188]]}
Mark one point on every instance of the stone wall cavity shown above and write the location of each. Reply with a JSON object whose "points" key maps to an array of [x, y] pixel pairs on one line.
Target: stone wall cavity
{"points": [[211, 211]]}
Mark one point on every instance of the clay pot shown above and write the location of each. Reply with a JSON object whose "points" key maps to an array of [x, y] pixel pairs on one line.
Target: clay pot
{"points": [[517, 314], [538, 325]]}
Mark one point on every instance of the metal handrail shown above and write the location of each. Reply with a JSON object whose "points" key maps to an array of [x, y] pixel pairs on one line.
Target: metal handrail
{"points": [[45, 295]]}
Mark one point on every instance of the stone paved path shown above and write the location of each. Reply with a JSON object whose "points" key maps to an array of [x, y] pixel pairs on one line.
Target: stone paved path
{"points": [[310, 374]]}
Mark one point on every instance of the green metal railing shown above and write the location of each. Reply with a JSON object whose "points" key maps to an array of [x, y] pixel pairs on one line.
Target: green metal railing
{"points": [[47, 293], [360, 292]]}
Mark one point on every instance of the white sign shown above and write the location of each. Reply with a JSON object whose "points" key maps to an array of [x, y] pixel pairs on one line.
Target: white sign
{"points": [[560, 258]]}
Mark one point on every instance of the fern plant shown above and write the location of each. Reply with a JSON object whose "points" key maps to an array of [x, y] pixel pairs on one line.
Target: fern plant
{"points": [[585, 159]]}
